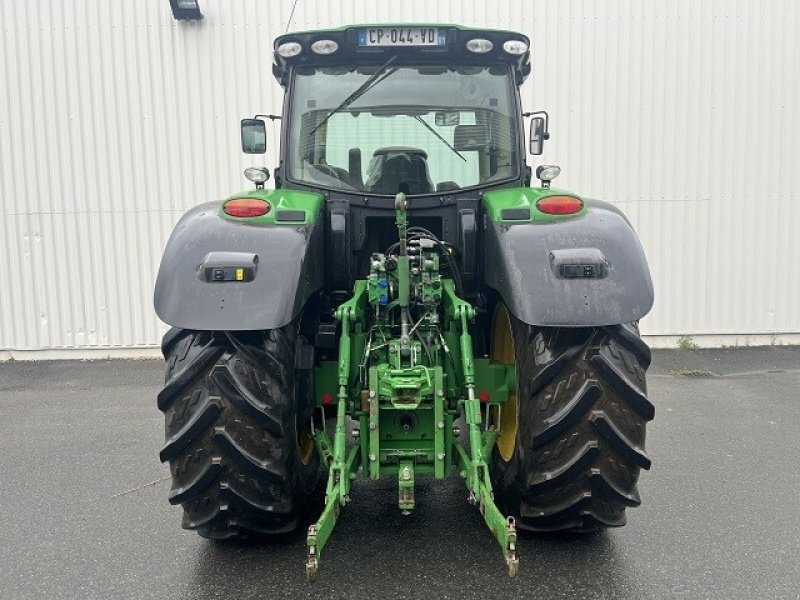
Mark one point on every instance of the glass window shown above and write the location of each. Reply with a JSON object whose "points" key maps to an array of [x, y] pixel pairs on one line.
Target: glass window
{"points": [[413, 129]]}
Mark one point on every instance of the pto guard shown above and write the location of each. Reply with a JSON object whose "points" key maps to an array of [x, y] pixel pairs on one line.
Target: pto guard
{"points": [[289, 269], [583, 271]]}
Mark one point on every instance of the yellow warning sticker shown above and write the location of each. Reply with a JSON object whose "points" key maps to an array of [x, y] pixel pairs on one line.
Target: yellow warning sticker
{"points": [[239, 274]]}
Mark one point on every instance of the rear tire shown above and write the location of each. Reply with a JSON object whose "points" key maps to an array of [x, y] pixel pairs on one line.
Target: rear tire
{"points": [[580, 428], [236, 410]]}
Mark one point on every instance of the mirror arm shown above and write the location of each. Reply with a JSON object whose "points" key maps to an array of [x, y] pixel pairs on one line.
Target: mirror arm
{"points": [[270, 117], [546, 133]]}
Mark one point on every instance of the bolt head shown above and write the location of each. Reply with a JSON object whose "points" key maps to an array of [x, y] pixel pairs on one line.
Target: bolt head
{"points": [[372, 457]]}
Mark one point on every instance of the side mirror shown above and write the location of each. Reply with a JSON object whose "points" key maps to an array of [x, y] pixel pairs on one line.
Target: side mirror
{"points": [[539, 132], [254, 136]]}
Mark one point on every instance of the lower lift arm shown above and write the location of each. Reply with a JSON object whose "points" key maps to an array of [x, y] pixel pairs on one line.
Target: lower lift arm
{"points": [[342, 465], [474, 468]]}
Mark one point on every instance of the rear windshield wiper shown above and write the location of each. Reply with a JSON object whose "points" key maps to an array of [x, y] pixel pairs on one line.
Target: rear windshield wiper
{"points": [[371, 82], [444, 141]]}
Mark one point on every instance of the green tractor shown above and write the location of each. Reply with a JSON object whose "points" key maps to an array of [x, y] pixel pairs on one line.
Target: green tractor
{"points": [[405, 303]]}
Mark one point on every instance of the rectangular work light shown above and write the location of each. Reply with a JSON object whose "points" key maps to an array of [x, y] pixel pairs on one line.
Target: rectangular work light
{"points": [[185, 10]]}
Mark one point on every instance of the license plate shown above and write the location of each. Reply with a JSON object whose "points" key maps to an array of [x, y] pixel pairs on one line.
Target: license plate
{"points": [[401, 36]]}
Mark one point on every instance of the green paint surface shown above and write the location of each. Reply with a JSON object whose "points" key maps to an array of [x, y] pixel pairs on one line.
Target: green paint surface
{"points": [[281, 200], [494, 378], [525, 198], [326, 380]]}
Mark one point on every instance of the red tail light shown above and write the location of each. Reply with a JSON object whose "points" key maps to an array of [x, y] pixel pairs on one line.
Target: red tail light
{"points": [[560, 205], [246, 207]]}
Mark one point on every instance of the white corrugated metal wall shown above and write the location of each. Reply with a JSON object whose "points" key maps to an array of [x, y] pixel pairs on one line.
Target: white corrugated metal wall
{"points": [[114, 119]]}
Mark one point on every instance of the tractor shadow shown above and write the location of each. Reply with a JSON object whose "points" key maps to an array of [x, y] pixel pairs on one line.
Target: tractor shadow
{"points": [[442, 549]]}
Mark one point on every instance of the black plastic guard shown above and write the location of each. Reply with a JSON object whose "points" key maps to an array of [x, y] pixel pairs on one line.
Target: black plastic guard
{"points": [[289, 260], [579, 272]]}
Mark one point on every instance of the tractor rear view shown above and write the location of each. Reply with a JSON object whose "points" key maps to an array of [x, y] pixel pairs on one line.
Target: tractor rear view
{"points": [[404, 303]]}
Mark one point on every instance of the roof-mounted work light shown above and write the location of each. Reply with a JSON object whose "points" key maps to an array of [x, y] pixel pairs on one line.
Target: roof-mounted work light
{"points": [[185, 10]]}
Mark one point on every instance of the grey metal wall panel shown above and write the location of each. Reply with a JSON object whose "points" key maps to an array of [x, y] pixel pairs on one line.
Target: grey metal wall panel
{"points": [[114, 119]]}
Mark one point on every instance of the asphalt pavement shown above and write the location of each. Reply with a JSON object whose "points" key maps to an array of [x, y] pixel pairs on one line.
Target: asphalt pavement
{"points": [[84, 512]]}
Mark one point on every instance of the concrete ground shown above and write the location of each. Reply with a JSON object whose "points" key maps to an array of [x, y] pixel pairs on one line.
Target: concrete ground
{"points": [[83, 509]]}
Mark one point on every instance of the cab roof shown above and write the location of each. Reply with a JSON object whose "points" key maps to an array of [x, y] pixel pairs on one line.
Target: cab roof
{"points": [[355, 47]]}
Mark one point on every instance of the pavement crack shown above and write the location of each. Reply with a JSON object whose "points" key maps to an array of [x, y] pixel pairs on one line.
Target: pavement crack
{"points": [[141, 487], [694, 373], [764, 372], [706, 373]]}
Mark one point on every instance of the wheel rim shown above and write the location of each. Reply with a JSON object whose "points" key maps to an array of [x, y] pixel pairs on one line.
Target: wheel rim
{"points": [[501, 349], [305, 445]]}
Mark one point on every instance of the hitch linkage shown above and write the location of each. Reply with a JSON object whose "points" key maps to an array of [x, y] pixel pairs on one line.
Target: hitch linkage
{"points": [[408, 379]]}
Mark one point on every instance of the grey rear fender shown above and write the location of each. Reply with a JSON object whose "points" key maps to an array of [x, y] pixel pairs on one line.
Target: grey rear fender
{"points": [[279, 266], [585, 270]]}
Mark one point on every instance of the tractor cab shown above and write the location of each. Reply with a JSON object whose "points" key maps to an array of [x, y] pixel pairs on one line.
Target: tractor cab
{"points": [[446, 95], [432, 112]]}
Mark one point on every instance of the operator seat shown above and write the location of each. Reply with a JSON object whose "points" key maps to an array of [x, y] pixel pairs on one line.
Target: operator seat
{"points": [[397, 169]]}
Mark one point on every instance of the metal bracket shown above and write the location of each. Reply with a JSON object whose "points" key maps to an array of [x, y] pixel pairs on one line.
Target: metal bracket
{"points": [[374, 467], [405, 482], [511, 547], [324, 447]]}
